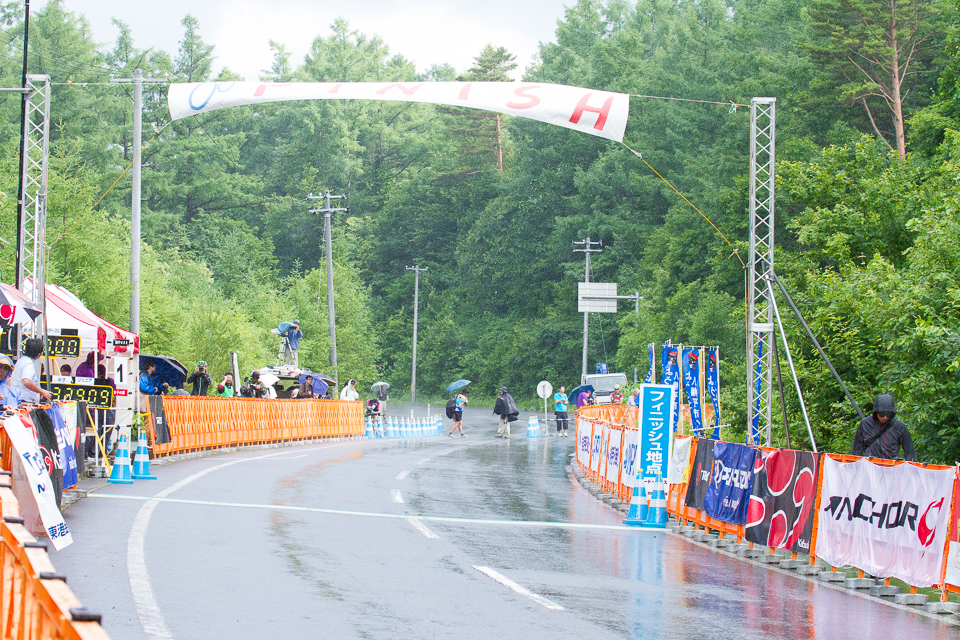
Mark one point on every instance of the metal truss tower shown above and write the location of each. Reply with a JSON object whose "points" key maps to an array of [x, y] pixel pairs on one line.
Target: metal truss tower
{"points": [[760, 328], [31, 243]]}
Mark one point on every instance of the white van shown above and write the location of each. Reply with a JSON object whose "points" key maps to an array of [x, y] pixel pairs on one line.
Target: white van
{"points": [[603, 385]]}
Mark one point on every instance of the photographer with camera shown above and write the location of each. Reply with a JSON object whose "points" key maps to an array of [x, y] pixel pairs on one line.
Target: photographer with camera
{"points": [[253, 388], [200, 379]]}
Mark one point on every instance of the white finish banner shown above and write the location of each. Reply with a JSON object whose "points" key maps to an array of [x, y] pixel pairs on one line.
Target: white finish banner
{"points": [[599, 113], [887, 521], [41, 487]]}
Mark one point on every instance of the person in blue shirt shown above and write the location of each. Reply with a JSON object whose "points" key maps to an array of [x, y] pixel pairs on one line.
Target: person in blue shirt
{"points": [[458, 414], [561, 400], [292, 345], [11, 396]]}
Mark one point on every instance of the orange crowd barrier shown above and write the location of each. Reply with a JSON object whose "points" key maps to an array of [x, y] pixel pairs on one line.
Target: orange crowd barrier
{"points": [[206, 423]]}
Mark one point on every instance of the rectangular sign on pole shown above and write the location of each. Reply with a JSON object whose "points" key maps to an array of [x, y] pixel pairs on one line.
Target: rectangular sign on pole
{"points": [[597, 297], [655, 425]]}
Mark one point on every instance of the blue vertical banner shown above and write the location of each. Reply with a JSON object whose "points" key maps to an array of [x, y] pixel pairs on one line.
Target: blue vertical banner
{"points": [[691, 384], [652, 373], [671, 377], [754, 436], [655, 426], [728, 495], [713, 387]]}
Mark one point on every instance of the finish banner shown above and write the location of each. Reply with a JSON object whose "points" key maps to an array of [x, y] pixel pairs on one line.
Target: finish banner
{"points": [[887, 521], [953, 553], [655, 430], [671, 377], [599, 113], [700, 473], [691, 383], [728, 495], [784, 491], [713, 388]]}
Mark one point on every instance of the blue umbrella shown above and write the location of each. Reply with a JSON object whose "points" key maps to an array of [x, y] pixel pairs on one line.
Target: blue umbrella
{"points": [[169, 370], [577, 390], [319, 386], [459, 384]]}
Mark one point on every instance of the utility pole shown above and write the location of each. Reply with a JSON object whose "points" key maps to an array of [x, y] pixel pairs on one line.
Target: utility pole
{"points": [[327, 211], [416, 298], [135, 197], [587, 249]]}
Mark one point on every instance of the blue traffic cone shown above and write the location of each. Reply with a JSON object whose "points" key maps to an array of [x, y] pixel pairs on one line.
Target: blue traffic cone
{"points": [[369, 430], [639, 510], [657, 516], [121, 463], [533, 427], [141, 462]]}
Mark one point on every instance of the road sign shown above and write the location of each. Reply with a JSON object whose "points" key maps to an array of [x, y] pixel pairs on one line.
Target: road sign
{"points": [[597, 297], [544, 389]]}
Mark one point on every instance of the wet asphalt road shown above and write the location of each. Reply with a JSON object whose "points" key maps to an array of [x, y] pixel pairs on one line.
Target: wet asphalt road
{"points": [[315, 541]]}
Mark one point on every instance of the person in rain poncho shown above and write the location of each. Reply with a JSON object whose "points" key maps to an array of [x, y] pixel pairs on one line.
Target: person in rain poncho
{"points": [[881, 435], [506, 408]]}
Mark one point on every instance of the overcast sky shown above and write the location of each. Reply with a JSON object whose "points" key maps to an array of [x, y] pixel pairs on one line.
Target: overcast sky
{"points": [[426, 32]]}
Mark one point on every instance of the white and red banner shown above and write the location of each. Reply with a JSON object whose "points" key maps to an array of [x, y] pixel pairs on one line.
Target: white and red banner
{"points": [[887, 521], [599, 113], [33, 486]]}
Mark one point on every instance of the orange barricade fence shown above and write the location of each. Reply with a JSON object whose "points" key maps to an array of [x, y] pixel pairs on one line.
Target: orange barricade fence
{"points": [[37, 604], [205, 423], [608, 426]]}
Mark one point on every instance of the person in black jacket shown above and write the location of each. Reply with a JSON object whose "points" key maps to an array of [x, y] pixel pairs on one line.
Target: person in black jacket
{"points": [[200, 379], [506, 408], [881, 435]]}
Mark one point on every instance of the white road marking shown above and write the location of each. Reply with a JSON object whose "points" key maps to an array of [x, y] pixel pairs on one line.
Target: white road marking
{"points": [[510, 584], [395, 494], [402, 475], [148, 609], [422, 528], [395, 516]]}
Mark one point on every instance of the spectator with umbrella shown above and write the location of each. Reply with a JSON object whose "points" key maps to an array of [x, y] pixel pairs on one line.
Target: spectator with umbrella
{"points": [[382, 389]]}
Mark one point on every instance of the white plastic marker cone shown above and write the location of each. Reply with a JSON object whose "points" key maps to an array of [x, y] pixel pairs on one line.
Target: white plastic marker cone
{"points": [[369, 430], [533, 427], [639, 510], [419, 427], [405, 427], [657, 516], [392, 427], [121, 464], [141, 462]]}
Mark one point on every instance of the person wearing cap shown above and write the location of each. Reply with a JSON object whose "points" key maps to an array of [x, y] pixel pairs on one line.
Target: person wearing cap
{"points": [[24, 377], [200, 379], [350, 391], [506, 408], [10, 396], [881, 435], [292, 345], [616, 397]]}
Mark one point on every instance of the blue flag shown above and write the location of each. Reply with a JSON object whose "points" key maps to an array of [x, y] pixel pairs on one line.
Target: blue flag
{"points": [[713, 388], [754, 436], [671, 378], [652, 373], [728, 495], [691, 383]]}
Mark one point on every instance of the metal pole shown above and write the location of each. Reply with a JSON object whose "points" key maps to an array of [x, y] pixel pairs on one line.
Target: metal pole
{"points": [[333, 324], [783, 400], [135, 203], [587, 249], [416, 305], [23, 144]]}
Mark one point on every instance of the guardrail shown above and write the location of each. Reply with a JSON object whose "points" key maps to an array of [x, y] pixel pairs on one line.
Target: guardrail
{"points": [[603, 434], [205, 423]]}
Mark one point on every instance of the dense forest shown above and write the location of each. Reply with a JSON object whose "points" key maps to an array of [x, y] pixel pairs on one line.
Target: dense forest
{"points": [[868, 153]]}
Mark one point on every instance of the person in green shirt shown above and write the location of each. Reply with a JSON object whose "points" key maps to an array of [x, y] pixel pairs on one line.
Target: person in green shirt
{"points": [[225, 388]]}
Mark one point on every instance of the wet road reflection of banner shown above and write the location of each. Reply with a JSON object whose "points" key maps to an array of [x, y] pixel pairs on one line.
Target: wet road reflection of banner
{"points": [[887, 521], [782, 500], [700, 474], [728, 495], [655, 426]]}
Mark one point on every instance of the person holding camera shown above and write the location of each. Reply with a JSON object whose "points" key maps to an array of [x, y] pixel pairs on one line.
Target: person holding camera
{"points": [[292, 345], [200, 379], [253, 387], [24, 377]]}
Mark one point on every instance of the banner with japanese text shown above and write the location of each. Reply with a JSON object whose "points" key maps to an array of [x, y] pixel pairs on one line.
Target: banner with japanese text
{"points": [[680, 460], [713, 387], [691, 384], [655, 427], [728, 495], [34, 475], [891, 522], [782, 500], [651, 377], [598, 113], [671, 377]]}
